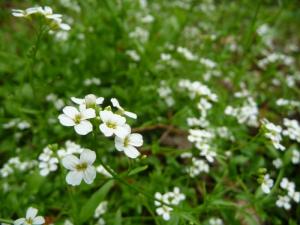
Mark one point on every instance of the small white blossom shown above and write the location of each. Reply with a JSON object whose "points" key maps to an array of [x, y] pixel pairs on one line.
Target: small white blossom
{"points": [[277, 163], [267, 184], [117, 105], [81, 168], [78, 119], [129, 142], [112, 124], [283, 202], [31, 218]]}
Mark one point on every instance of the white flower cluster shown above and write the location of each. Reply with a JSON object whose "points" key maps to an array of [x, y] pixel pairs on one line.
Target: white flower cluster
{"points": [[273, 132], [18, 123], [31, 218], [58, 102], [100, 210], [47, 162], [140, 34], [170, 198], [165, 92], [275, 57], [186, 53], [289, 103], [16, 164], [113, 123], [196, 88], [246, 114], [284, 201], [198, 166], [292, 129], [55, 20]]}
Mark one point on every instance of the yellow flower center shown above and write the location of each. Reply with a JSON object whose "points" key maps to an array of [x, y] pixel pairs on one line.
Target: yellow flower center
{"points": [[81, 167]]}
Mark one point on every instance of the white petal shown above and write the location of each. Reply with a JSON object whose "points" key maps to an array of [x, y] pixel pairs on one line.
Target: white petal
{"points": [[38, 220], [115, 103], [31, 212], [70, 162], [106, 115], [89, 174], [74, 178], [78, 101], [88, 114], [88, 156], [130, 114], [84, 127], [166, 216], [44, 172], [136, 139], [64, 26], [99, 100], [70, 111], [106, 130], [120, 120], [131, 152], [119, 143], [121, 131], [65, 120], [19, 221]]}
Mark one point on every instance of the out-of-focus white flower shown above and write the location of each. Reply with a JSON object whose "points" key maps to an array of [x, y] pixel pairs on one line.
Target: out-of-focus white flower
{"points": [[129, 143], [81, 168], [277, 163], [89, 101], [170, 198], [103, 171], [283, 202], [117, 105], [287, 185], [274, 134], [293, 129], [295, 157], [78, 119], [215, 221], [31, 218], [101, 209], [267, 184], [198, 166], [133, 55], [186, 53]]}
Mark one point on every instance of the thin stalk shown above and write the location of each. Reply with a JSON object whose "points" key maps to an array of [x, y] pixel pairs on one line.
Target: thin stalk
{"points": [[6, 221]]}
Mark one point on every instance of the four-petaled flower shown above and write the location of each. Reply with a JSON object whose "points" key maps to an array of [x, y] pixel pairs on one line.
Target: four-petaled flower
{"points": [[31, 218], [129, 143], [81, 168], [78, 119], [112, 124]]}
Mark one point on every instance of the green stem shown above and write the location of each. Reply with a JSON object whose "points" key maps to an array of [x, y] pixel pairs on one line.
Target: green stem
{"points": [[6, 221]]}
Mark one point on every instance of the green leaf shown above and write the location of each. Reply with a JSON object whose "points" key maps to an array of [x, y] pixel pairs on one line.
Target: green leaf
{"points": [[118, 217], [88, 209], [137, 170]]}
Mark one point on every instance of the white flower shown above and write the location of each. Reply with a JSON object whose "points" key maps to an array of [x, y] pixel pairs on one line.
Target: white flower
{"points": [[48, 166], [26, 12], [116, 104], [112, 124], [274, 134], [267, 184], [100, 169], [277, 163], [31, 218], [77, 119], [81, 168], [215, 221], [295, 157], [129, 143], [164, 211], [101, 209], [287, 185], [177, 196], [283, 202], [90, 101]]}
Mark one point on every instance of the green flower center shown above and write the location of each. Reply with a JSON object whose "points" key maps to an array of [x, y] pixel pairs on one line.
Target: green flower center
{"points": [[77, 118], [111, 125], [81, 167]]}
